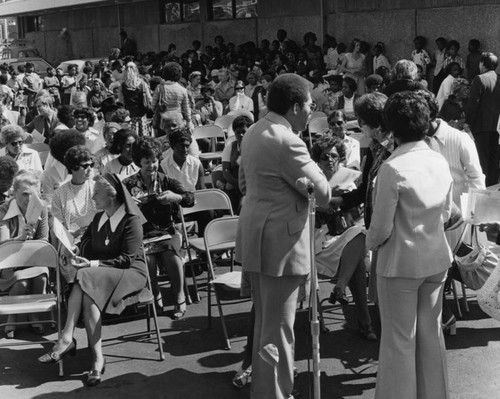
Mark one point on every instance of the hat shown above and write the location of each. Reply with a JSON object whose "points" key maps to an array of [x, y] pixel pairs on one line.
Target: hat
{"points": [[239, 85], [374, 80], [123, 195], [215, 72], [193, 74], [109, 104]]}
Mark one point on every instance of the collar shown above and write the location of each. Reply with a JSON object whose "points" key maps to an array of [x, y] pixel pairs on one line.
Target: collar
{"points": [[13, 210], [440, 134], [279, 119], [171, 161], [409, 147], [114, 220]]}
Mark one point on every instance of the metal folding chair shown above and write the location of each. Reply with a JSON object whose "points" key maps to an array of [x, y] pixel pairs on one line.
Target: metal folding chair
{"points": [[31, 253], [212, 132]]}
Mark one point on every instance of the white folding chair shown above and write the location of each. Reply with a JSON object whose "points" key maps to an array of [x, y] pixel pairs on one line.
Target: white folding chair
{"points": [[318, 125], [239, 112], [212, 132], [225, 122], [220, 235], [31, 253], [205, 200]]}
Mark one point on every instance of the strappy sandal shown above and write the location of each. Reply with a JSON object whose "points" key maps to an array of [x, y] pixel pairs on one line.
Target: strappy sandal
{"points": [[242, 377], [179, 312], [54, 357]]}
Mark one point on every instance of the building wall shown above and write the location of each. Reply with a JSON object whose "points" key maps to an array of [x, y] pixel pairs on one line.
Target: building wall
{"points": [[94, 30]]}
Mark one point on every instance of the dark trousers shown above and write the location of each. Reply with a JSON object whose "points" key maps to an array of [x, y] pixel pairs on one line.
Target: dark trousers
{"points": [[489, 155]]}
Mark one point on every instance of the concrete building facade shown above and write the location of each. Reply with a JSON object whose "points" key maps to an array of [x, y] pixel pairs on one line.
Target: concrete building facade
{"points": [[65, 29]]}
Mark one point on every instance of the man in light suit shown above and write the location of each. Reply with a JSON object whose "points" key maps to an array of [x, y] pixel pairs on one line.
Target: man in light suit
{"points": [[273, 232], [482, 112]]}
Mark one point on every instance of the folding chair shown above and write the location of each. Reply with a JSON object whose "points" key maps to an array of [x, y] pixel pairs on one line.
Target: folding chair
{"points": [[144, 299], [205, 200], [239, 112], [225, 122], [42, 149], [212, 132], [220, 235], [31, 253], [318, 125]]}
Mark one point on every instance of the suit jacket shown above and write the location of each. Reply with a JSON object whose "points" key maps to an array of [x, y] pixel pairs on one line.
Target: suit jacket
{"points": [[412, 201], [273, 230], [483, 107]]}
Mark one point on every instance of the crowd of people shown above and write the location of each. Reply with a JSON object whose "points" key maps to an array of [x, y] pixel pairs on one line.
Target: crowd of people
{"points": [[122, 160]]}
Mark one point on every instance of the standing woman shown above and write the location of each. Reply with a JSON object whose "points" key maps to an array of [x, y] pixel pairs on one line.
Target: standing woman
{"points": [[123, 165], [135, 94], [111, 267], [68, 84], [412, 201], [353, 66]]}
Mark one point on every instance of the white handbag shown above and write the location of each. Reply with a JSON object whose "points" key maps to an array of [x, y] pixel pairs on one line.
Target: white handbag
{"points": [[488, 297]]}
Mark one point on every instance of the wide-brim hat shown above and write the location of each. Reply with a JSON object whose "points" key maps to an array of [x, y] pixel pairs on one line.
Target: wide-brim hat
{"points": [[109, 104]]}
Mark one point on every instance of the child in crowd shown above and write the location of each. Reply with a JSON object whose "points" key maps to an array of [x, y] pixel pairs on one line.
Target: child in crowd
{"points": [[419, 56]]}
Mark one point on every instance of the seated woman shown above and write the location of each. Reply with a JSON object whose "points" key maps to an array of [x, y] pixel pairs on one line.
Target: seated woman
{"points": [[179, 164], [338, 128], [123, 165], [341, 255], [346, 101], [14, 226], [84, 120], [158, 196], [12, 137], [111, 267], [55, 172], [72, 203], [103, 156]]}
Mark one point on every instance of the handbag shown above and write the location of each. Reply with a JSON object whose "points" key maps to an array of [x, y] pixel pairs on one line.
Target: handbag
{"points": [[488, 297], [475, 261], [161, 107]]}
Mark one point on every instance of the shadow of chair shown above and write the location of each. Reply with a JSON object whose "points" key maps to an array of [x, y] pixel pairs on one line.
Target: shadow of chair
{"points": [[32, 253]]}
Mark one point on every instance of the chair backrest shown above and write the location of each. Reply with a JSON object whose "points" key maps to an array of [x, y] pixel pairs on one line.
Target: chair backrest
{"points": [[318, 125], [247, 113], [208, 131], [27, 253], [220, 231], [225, 122], [209, 199]]}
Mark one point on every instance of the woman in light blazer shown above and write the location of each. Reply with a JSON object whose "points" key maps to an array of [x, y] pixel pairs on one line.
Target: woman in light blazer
{"points": [[412, 200]]}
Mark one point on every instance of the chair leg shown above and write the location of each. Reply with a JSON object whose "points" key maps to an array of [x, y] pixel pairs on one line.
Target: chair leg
{"points": [[157, 330], [209, 301], [148, 319], [464, 294], [322, 326], [455, 298], [221, 313]]}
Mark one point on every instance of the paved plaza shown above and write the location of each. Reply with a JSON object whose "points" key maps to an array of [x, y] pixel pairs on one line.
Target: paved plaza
{"points": [[196, 365]]}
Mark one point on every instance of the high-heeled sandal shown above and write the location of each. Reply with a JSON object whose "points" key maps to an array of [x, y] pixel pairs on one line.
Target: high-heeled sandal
{"points": [[54, 357], [94, 377], [159, 303], [242, 377], [450, 327], [338, 295], [179, 312], [366, 332]]}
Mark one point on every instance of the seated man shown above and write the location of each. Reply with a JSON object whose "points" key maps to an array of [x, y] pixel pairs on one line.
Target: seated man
{"points": [[208, 107]]}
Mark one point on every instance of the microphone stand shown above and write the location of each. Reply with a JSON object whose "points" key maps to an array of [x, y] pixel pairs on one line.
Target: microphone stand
{"points": [[315, 325]]}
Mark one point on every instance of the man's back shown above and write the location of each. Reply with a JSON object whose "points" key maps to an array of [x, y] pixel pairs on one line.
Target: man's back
{"points": [[483, 108]]}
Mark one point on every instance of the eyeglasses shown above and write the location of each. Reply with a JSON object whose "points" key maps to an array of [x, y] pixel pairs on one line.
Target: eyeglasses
{"points": [[17, 143], [87, 165], [240, 88], [80, 117], [328, 156], [337, 123]]}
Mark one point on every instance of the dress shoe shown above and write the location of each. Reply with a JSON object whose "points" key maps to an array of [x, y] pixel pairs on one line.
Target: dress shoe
{"points": [[366, 332], [94, 377], [338, 295], [54, 357]]}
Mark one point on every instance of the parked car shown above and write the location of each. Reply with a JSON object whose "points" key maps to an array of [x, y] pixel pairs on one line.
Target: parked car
{"points": [[81, 62], [40, 64], [20, 48]]}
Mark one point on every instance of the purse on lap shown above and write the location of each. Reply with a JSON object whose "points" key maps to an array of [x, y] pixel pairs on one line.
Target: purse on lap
{"points": [[475, 261]]}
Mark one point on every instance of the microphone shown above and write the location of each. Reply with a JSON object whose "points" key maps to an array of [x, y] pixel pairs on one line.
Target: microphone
{"points": [[304, 183]]}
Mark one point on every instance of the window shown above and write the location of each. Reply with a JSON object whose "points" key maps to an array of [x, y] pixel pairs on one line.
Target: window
{"points": [[229, 9], [33, 23], [180, 11]]}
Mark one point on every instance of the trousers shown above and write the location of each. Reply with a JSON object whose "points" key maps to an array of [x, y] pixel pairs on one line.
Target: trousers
{"points": [[412, 359], [275, 301]]}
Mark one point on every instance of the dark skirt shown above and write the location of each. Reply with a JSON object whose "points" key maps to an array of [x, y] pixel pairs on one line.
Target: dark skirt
{"points": [[108, 287]]}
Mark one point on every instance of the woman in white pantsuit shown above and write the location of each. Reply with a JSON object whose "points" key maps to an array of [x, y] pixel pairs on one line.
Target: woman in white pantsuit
{"points": [[412, 200]]}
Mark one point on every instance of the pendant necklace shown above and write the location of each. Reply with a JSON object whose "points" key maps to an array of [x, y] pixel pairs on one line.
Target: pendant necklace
{"points": [[106, 241]]}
